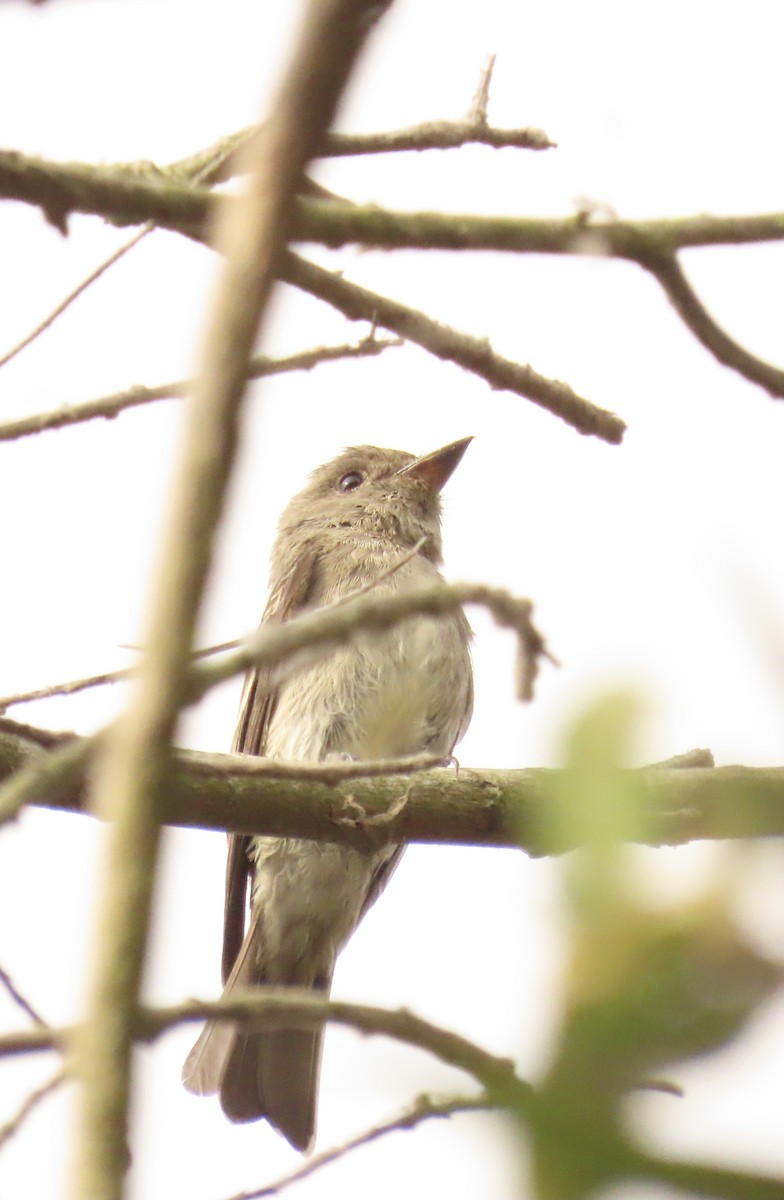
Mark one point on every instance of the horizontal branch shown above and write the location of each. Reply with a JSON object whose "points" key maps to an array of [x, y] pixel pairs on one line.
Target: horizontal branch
{"points": [[459, 806], [132, 197], [338, 223], [273, 1009], [121, 196], [221, 161], [318, 632], [127, 197], [111, 406]]}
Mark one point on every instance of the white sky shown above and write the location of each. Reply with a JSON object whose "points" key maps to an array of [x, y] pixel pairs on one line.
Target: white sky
{"points": [[656, 565]]}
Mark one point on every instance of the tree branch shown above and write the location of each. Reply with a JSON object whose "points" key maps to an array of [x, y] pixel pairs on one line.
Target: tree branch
{"points": [[272, 645], [472, 353], [275, 1008], [127, 198], [424, 1108], [28, 1105], [219, 162], [73, 295], [669, 274], [132, 779], [465, 806], [19, 1000], [110, 406], [269, 1008], [343, 622]]}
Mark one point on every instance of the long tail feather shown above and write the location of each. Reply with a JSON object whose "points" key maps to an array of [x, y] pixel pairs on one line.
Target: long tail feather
{"points": [[259, 1075]]}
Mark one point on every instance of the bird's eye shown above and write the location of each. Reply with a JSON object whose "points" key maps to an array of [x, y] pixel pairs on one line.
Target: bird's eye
{"points": [[351, 481]]}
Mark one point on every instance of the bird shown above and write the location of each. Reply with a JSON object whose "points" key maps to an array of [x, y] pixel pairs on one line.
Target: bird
{"points": [[369, 519]]}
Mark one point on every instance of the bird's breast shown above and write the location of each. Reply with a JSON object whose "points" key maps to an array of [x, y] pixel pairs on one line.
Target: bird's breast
{"points": [[389, 694]]}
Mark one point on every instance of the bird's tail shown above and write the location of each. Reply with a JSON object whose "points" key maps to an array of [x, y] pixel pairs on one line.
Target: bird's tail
{"points": [[271, 1075]]}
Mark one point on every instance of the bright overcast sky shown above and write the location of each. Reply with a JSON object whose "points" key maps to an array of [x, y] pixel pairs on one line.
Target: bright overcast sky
{"points": [[656, 565]]}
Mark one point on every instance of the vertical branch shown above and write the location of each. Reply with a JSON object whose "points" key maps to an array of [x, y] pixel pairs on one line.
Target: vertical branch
{"points": [[132, 777]]}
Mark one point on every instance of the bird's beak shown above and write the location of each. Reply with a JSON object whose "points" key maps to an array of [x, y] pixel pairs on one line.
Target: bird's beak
{"points": [[434, 469]]}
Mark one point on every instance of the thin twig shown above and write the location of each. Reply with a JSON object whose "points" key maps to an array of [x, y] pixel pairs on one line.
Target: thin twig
{"points": [[272, 1008], [271, 645], [71, 686], [110, 406], [221, 161], [199, 175], [113, 258], [28, 1105], [68, 688], [424, 1108], [18, 999], [235, 766], [341, 623], [506, 1089], [478, 110], [472, 353]]}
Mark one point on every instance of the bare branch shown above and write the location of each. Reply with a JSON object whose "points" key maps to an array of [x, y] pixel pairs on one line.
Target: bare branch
{"points": [[341, 623], [42, 1039], [424, 1108], [29, 1105], [273, 1008], [121, 196], [34, 776], [35, 773], [125, 198], [438, 135], [351, 803], [339, 222], [132, 778], [66, 303], [110, 406], [219, 162], [649, 244], [472, 353], [505, 1089], [69, 688], [234, 766], [46, 777], [669, 273], [199, 176], [18, 999], [478, 109]]}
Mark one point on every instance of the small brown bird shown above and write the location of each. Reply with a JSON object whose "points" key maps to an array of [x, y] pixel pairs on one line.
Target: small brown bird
{"points": [[405, 691]]}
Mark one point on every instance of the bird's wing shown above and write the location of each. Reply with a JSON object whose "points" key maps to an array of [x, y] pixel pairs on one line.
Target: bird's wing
{"points": [[289, 594]]}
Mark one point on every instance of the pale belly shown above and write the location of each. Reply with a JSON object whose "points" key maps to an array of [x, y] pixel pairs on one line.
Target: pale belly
{"points": [[401, 693]]}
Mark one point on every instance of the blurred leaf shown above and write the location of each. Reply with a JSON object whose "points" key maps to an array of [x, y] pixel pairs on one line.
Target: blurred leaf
{"points": [[644, 988]]}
